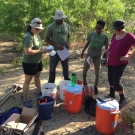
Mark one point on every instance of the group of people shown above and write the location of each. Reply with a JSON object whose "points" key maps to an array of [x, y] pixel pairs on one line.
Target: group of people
{"points": [[58, 35]]}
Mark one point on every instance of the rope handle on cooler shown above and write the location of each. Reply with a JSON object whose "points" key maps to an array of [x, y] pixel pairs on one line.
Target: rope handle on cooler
{"points": [[116, 112]]}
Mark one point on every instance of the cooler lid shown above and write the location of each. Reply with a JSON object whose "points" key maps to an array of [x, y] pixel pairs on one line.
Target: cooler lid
{"points": [[109, 105], [77, 89]]}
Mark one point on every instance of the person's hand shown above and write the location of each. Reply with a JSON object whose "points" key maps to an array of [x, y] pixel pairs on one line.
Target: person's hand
{"points": [[67, 45], [42, 49], [59, 47], [124, 58], [106, 64], [106, 52], [82, 55]]}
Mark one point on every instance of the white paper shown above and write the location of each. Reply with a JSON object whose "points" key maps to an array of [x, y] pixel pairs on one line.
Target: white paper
{"points": [[90, 62], [63, 54]]}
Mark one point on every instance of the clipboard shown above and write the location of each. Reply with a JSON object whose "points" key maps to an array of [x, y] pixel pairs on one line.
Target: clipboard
{"points": [[63, 54]]}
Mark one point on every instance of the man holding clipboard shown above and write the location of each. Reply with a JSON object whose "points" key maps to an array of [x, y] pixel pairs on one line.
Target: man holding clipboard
{"points": [[58, 35]]}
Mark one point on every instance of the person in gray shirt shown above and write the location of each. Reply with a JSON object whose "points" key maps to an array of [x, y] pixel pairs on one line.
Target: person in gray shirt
{"points": [[58, 35]]}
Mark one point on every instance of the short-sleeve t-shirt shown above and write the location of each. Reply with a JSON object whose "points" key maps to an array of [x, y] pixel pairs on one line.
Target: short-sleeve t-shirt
{"points": [[119, 48], [29, 40], [96, 44], [58, 33]]}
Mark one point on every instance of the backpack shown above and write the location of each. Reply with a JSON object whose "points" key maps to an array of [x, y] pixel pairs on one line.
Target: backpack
{"points": [[4, 116], [90, 105]]}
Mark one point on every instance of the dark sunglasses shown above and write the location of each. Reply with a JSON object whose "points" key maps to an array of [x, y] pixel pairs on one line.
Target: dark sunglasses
{"points": [[98, 28], [39, 22]]}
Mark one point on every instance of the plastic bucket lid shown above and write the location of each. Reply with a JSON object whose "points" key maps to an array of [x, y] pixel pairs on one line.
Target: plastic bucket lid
{"points": [[49, 88], [109, 105], [77, 89], [65, 82]]}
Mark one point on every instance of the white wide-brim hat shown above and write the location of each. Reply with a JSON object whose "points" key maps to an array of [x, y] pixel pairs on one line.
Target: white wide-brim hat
{"points": [[59, 15], [36, 23]]}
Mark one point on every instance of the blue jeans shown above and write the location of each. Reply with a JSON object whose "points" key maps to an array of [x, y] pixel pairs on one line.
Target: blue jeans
{"points": [[53, 64]]}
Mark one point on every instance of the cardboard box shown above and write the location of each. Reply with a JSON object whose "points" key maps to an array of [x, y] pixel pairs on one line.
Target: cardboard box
{"points": [[87, 93], [21, 122]]}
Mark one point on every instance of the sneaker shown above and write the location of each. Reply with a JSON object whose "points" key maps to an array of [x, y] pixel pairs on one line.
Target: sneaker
{"points": [[95, 91], [23, 98], [122, 102], [27, 104], [107, 96], [112, 96], [39, 93]]}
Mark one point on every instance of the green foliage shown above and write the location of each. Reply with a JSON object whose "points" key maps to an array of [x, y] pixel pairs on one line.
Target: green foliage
{"points": [[17, 48], [45, 62], [82, 14], [128, 117], [3, 70], [16, 63]]}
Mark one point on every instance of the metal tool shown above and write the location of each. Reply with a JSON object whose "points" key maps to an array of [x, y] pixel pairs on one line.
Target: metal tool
{"points": [[13, 89]]}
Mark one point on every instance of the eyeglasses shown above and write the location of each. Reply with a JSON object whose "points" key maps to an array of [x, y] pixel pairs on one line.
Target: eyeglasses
{"points": [[39, 22], [98, 28]]}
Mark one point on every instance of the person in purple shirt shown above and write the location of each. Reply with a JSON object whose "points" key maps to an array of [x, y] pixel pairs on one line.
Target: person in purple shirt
{"points": [[118, 58]]}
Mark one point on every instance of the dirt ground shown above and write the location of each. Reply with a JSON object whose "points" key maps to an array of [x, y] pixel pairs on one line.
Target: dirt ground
{"points": [[62, 123]]}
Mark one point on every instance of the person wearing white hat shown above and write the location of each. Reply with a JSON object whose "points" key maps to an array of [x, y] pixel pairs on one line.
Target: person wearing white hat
{"points": [[58, 35], [32, 54]]}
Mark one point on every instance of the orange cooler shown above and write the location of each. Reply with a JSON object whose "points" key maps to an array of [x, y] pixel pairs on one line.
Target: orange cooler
{"points": [[73, 98], [107, 116]]}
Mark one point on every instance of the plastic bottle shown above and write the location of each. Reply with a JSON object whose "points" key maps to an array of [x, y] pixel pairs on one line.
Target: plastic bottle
{"points": [[73, 79]]}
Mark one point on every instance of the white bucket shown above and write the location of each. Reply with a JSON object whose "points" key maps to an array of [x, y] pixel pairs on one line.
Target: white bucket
{"points": [[49, 89], [63, 88]]}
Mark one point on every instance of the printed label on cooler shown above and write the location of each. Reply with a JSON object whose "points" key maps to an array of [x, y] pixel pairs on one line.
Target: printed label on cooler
{"points": [[70, 102], [114, 124]]}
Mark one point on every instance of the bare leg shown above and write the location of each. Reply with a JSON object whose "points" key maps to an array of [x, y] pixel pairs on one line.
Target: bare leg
{"points": [[37, 81], [26, 85]]}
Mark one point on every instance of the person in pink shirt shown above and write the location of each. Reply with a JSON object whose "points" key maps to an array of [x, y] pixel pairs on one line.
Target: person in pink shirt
{"points": [[118, 58]]}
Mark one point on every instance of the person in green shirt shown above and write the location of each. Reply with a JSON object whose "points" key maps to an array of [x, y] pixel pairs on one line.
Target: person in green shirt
{"points": [[58, 35], [95, 40], [32, 54]]}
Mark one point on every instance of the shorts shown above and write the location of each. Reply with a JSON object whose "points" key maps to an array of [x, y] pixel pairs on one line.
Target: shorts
{"points": [[32, 68]]}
